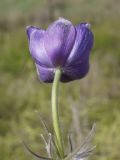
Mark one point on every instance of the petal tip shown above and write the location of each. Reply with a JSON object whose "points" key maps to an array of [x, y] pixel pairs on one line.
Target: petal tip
{"points": [[64, 21], [30, 29], [88, 25]]}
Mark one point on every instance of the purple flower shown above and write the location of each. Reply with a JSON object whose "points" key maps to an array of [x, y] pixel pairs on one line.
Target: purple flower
{"points": [[62, 46]]}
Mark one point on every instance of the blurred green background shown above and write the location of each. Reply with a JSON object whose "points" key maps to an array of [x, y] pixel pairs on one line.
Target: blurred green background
{"points": [[96, 98]]}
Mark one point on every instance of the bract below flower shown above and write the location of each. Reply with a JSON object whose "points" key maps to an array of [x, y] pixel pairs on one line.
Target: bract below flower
{"points": [[62, 46]]}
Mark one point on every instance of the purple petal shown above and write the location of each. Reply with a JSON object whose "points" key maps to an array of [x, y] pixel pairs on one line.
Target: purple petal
{"points": [[75, 72], [36, 46], [58, 41], [82, 46], [30, 29], [45, 74]]}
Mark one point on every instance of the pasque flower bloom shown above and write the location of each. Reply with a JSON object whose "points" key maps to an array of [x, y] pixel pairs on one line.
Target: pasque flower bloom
{"points": [[62, 46]]}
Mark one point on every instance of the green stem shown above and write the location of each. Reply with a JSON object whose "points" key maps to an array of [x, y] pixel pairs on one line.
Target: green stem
{"points": [[55, 115]]}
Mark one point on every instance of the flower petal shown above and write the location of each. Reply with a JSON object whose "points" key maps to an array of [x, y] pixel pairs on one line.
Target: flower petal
{"points": [[36, 46], [58, 41], [45, 74], [75, 72], [82, 46], [30, 29]]}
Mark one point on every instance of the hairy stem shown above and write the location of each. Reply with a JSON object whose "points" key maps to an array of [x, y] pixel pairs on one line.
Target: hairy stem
{"points": [[55, 115]]}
